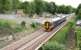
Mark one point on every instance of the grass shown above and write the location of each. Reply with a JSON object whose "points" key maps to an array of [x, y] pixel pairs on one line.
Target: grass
{"points": [[78, 36], [9, 25], [53, 46], [61, 35], [11, 22]]}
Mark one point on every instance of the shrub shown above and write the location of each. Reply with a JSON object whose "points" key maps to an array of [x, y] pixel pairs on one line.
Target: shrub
{"points": [[4, 24], [34, 24], [18, 28], [72, 24], [80, 45], [53, 46], [8, 28], [61, 35], [23, 23]]}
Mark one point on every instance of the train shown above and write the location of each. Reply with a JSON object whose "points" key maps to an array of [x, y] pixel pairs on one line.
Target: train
{"points": [[50, 25]]}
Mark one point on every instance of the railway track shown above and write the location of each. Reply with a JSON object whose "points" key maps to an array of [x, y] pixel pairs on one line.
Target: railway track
{"points": [[33, 41], [24, 40]]}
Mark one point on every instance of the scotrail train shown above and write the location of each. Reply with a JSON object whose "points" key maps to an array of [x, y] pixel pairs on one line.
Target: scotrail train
{"points": [[50, 25]]}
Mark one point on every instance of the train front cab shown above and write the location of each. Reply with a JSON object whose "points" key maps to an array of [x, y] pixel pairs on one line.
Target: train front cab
{"points": [[47, 26]]}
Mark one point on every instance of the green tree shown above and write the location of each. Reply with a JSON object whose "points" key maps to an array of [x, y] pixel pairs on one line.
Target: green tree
{"points": [[73, 10], [68, 9], [25, 6], [52, 7], [32, 8], [77, 10], [47, 7], [79, 14], [64, 9], [5, 5], [61, 9], [16, 4], [38, 5]]}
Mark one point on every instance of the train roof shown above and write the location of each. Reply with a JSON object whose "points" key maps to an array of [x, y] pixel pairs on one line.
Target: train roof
{"points": [[56, 19], [41, 21], [51, 19]]}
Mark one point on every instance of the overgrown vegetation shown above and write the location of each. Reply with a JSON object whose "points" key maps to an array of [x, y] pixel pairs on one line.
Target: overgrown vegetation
{"points": [[6, 27], [78, 37], [61, 35], [34, 25], [53, 46]]}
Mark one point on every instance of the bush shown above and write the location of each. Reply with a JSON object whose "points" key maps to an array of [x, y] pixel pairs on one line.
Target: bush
{"points": [[5, 28], [80, 45], [34, 25], [78, 37], [53, 46], [71, 24], [61, 35], [79, 15], [4, 24], [23, 23], [18, 28]]}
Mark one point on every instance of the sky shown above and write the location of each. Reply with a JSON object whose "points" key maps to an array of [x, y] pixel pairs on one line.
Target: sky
{"points": [[73, 3]]}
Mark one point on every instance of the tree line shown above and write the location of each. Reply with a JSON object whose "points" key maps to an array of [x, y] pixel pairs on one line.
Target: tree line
{"points": [[36, 6]]}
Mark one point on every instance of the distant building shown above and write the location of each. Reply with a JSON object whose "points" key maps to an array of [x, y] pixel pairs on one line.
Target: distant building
{"points": [[35, 16], [20, 13]]}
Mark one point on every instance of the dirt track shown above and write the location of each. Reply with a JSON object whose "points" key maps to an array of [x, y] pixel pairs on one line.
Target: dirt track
{"points": [[71, 40]]}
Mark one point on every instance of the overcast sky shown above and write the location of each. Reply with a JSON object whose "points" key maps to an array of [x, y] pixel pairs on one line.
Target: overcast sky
{"points": [[73, 3]]}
